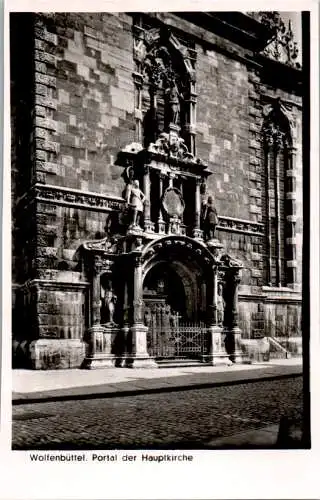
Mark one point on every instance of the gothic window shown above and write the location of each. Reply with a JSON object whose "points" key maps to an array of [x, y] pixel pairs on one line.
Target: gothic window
{"points": [[279, 197]]}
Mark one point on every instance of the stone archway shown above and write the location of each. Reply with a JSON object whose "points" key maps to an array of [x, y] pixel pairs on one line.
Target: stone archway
{"points": [[191, 262], [177, 286], [163, 284]]}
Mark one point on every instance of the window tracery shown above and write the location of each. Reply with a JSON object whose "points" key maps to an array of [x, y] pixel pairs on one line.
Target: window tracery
{"points": [[279, 155]]}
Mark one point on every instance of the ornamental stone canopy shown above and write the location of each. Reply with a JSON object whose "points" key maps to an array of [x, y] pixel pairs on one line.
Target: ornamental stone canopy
{"points": [[285, 33]]}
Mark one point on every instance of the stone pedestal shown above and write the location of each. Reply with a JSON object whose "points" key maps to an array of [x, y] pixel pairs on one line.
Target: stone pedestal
{"points": [[53, 354], [149, 226], [232, 344], [99, 352], [161, 226], [135, 230], [217, 355], [139, 357]]}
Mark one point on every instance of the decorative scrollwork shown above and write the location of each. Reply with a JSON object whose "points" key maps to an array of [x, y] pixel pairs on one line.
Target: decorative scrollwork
{"points": [[53, 194], [281, 47], [172, 146], [101, 264], [230, 262], [104, 244], [278, 125]]}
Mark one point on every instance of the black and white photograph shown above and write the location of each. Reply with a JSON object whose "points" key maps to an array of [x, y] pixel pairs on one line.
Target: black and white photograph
{"points": [[160, 219], [158, 232]]}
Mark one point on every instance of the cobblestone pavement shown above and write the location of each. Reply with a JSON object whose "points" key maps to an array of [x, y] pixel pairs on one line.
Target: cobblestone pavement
{"points": [[182, 419]]}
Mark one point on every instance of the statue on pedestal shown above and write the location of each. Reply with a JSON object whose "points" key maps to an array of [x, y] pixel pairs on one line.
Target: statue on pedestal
{"points": [[135, 200], [109, 302], [173, 103], [220, 304], [209, 218]]}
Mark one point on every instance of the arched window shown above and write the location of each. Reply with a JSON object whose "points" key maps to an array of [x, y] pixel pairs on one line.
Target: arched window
{"points": [[279, 196]]}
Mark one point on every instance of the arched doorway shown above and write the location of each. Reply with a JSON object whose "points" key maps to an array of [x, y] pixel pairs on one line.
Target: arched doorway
{"points": [[176, 289], [163, 285]]}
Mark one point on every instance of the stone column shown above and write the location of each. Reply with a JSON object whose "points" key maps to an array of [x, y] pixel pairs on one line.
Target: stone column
{"points": [[277, 206], [190, 126], [139, 357], [99, 337], [182, 225], [235, 280], [171, 177], [232, 330], [197, 233], [138, 47], [96, 292], [121, 347], [161, 223], [138, 81], [291, 219], [148, 225], [217, 352], [268, 215]]}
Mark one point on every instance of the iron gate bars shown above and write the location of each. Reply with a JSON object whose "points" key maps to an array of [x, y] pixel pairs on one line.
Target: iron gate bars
{"points": [[183, 341]]}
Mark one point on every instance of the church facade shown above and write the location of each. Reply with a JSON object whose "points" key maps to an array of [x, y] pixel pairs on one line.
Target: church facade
{"points": [[156, 188]]}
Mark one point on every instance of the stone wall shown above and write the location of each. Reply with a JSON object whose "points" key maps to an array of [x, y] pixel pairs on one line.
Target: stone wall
{"points": [[223, 130], [61, 231], [84, 115], [81, 116], [271, 317], [84, 99]]}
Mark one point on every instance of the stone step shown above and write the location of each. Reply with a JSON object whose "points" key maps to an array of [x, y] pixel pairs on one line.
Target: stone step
{"points": [[174, 363], [279, 355]]}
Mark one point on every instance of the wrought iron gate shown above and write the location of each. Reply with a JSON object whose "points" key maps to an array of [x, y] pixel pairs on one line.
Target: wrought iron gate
{"points": [[182, 341]]}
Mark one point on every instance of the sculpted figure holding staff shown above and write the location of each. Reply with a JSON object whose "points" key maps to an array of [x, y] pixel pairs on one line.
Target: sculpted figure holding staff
{"points": [[209, 218], [135, 200]]}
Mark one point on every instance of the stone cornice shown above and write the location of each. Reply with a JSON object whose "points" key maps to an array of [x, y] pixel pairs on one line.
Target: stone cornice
{"points": [[212, 35], [264, 298], [71, 198], [240, 226], [235, 26], [248, 36], [52, 284], [105, 203]]}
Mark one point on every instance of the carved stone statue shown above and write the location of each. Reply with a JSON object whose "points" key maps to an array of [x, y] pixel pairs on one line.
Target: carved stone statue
{"points": [[173, 100], [147, 317], [174, 319], [135, 200], [220, 304], [209, 219], [110, 300]]}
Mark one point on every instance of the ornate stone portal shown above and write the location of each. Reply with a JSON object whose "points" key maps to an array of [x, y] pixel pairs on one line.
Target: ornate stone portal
{"points": [[164, 228], [172, 256]]}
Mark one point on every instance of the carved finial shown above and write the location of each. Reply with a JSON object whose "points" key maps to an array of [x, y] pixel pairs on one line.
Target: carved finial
{"points": [[281, 47]]}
